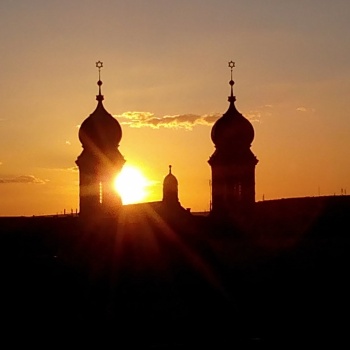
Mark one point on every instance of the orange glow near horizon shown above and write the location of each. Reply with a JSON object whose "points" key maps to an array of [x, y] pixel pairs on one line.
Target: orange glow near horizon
{"points": [[131, 185]]}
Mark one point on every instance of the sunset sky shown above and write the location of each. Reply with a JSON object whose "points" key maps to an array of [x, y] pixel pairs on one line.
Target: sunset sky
{"points": [[165, 78]]}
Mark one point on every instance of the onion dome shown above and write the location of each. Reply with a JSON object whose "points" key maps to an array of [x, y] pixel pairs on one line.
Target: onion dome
{"points": [[232, 130], [100, 130]]}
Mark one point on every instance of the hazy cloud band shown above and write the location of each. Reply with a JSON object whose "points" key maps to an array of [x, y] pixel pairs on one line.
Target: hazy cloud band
{"points": [[22, 179], [182, 121]]}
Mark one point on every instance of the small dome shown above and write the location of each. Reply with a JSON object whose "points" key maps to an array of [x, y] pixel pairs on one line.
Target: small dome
{"points": [[170, 188], [170, 179], [100, 130], [232, 130]]}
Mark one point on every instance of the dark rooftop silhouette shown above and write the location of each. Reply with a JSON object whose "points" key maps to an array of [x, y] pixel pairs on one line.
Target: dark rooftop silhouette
{"points": [[153, 274]]}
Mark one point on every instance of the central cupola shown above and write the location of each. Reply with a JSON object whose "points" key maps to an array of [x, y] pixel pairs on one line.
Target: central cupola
{"points": [[170, 188]]}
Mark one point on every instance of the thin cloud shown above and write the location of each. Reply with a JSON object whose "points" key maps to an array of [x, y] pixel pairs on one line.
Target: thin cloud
{"points": [[22, 179], [70, 169], [301, 109], [68, 143], [305, 109], [254, 116], [181, 121], [260, 113]]}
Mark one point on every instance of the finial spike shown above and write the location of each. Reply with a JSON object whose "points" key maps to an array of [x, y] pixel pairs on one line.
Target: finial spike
{"points": [[232, 65], [99, 65], [170, 166]]}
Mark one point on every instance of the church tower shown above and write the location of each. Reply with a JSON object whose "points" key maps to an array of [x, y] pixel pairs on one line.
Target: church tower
{"points": [[232, 163], [100, 161], [170, 189]]}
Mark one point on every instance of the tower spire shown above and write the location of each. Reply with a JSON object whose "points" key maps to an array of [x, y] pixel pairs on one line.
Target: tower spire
{"points": [[99, 65], [231, 98]]}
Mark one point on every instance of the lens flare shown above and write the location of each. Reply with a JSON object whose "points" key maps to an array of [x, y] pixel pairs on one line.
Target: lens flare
{"points": [[131, 185]]}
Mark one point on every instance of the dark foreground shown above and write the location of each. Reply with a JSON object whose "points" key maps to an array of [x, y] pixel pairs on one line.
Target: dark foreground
{"points": [[175, 285]]}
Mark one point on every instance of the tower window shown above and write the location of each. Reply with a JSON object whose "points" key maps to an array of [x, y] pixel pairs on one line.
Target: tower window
{"points": [[239, 190], [101, 195]]}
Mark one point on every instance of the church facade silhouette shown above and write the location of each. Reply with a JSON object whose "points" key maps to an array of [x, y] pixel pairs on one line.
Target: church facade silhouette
{"points": [[167, 276], [232, 164]]}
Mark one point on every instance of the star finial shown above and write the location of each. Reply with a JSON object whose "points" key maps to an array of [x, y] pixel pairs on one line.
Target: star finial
{"points": [[99, 65]]}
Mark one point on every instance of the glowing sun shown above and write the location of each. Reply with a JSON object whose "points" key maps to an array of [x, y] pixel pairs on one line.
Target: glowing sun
{"points": [[131, 185]]}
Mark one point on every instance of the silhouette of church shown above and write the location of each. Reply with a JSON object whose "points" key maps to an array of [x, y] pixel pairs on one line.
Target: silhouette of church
{"points": [[232, 163], [156, 274]]}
